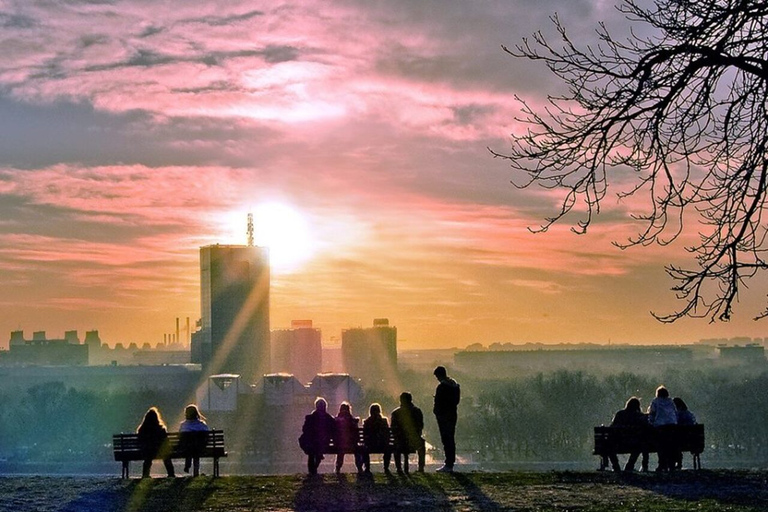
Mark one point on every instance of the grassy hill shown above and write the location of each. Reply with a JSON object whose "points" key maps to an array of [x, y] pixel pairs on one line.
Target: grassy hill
{"points": [[700, 491]]}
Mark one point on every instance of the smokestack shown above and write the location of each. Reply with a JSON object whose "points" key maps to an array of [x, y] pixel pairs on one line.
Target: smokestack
{"points": [[187, 340], [177, 338], [165, 339]]}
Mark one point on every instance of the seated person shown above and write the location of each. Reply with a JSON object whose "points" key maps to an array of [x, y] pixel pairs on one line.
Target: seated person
{"points": [[345, 437], [684, 417], [376, 436], [662, 414], [407, 424], [316, 434], [630, 416], [194, 421], [153, 437]]}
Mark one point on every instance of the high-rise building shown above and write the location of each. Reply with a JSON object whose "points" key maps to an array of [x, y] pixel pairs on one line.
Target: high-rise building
{"points": [[234, 323], [297, 350], [370, 353]]}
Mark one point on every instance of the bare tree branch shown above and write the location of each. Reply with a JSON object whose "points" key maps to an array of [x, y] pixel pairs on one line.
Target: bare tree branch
{"points": [[686, 110]]}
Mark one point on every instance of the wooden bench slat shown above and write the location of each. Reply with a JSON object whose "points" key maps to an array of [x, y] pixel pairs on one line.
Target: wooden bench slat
{"points": [[360, 445], [127, 448]]}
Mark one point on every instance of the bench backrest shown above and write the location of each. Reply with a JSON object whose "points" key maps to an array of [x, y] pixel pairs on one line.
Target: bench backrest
{"points": [[179, 444], [608, 440], [360, 443]]}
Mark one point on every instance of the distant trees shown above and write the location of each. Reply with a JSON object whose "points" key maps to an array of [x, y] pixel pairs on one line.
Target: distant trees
{"points": [[680, 105], [52, 422], [551, 416]]}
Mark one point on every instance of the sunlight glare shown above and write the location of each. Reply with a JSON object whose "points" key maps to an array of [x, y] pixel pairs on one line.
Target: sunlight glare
{"points": [[285, 231]]}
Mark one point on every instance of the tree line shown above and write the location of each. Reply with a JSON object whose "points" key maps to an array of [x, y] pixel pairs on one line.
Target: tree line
{"points": [[544, 417]]}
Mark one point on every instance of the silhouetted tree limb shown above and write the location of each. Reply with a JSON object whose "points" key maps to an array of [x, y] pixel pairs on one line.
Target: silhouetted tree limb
{"points": [[684, 109]]}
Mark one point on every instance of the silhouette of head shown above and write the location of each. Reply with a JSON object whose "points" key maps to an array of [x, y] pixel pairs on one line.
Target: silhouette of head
{"points": [[661, 392], [191, 412], [152, 418], [679, 404], [320, 404], [406, 398], [633, 404], [375, 410], [440, 372], [345, 409]]}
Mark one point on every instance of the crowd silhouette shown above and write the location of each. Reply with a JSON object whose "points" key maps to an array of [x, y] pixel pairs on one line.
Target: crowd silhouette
{"points": [[323, 434], [660, 419]]}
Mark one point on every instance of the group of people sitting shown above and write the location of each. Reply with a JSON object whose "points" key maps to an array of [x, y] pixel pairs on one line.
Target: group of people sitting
{"points": [[153, 437], [662, 413], [406, 423]]}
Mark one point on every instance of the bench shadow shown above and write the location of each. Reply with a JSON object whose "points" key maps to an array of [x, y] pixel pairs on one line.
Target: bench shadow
{"points": [[326, 493], [149, 494], [408, 492], [731, 488]]}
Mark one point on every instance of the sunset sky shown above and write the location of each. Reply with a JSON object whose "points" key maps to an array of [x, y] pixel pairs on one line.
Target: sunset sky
{"points": [[357, 132]]}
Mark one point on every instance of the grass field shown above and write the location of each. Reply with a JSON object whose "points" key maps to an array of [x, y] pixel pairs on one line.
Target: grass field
{"points": [[699, 491]]}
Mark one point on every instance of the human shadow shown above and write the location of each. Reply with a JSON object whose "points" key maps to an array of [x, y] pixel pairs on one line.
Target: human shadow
{"points": [[381, 492], [148, 494], [475, 494]]}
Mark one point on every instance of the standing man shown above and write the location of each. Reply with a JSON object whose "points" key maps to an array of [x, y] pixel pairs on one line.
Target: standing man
{"points": [[447, 397]]}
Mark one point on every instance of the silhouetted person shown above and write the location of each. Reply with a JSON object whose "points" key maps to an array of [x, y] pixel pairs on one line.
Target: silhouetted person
{"points": [[684, 417], [662, 414], [153, 437], [407, 425], [630, 416], [345, 437], [376, 436], [316, 434], [194, 421], [447, 397]]}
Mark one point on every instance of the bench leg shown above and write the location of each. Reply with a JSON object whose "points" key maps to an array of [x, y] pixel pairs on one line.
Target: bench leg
{"points": [[215, 466], [696, 461], [125, 470], [603, 463]]}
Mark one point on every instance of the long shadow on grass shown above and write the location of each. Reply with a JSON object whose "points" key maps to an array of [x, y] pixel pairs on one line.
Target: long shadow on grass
{"points": [[327, 493], [167, 494], [725, 487], [475, 494], [416, 492]]}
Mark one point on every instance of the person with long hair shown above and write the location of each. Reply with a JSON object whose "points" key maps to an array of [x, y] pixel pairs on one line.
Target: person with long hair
{"points": [[153, 437], [345, 437], [630, 416], [376, 437], [684, 417], [194, 421]]}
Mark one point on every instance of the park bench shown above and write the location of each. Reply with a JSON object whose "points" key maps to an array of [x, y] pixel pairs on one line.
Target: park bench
{"points": [[197, 445], [360, 445], [621, 440]]}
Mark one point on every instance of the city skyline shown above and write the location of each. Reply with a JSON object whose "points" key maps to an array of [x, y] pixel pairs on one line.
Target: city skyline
{"points": [[356, 133]]}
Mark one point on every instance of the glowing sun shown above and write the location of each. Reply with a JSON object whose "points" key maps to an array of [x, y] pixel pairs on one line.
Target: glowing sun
{"points": [[286, 232]]}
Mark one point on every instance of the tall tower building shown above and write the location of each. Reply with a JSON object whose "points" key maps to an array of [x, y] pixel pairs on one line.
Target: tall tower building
{"points": [[234, 323]]}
